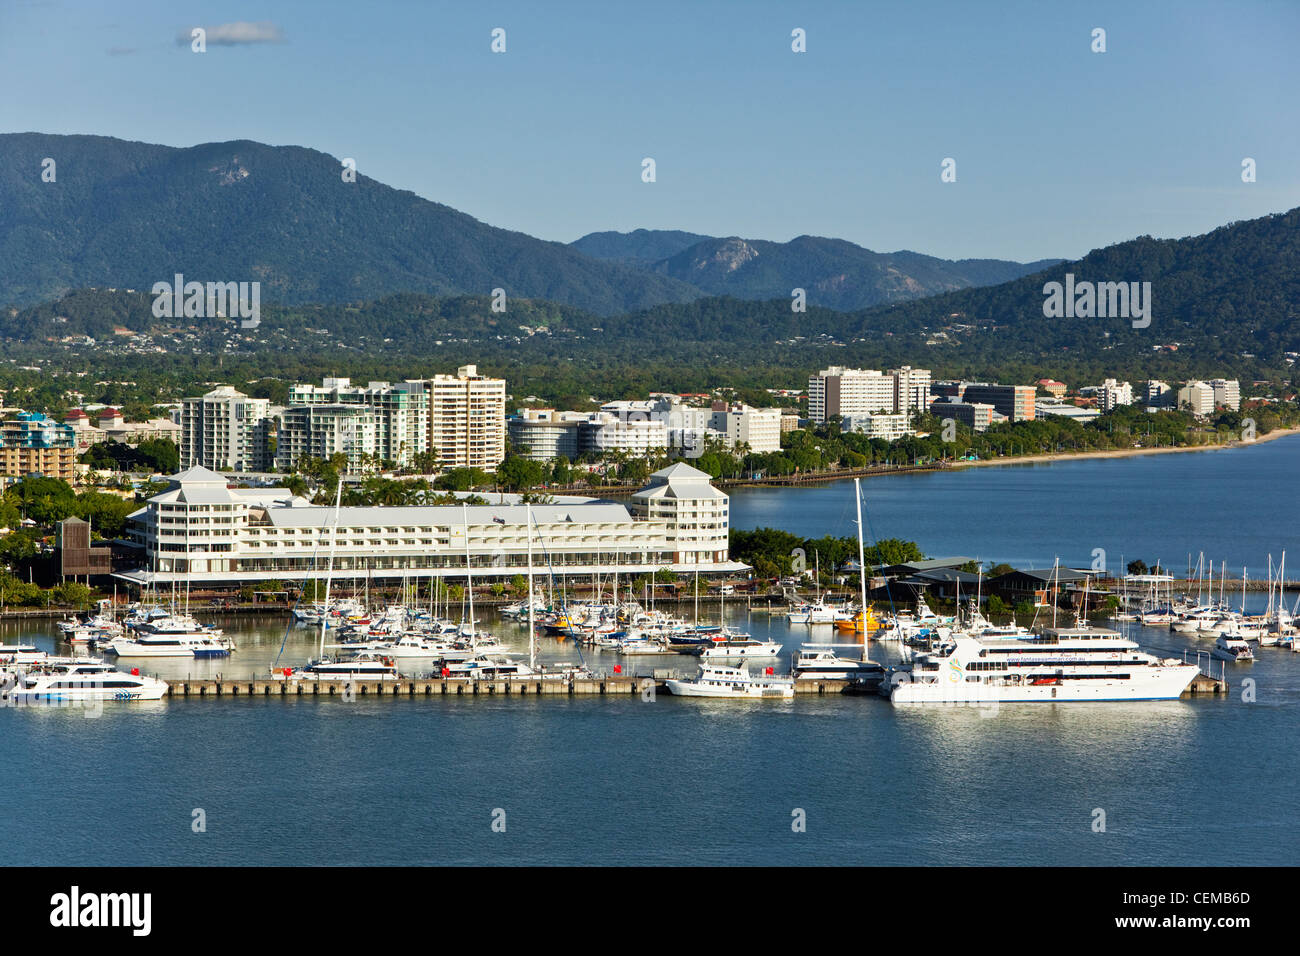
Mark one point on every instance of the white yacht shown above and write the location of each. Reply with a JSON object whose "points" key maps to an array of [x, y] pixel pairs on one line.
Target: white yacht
{"points": [[1061, 664], [19, 654], [358, 667], [488, 668], [721, 681], [168, 645], [817, 612], [1233, 649], [819, 662], [87, 680], [740, 648]]}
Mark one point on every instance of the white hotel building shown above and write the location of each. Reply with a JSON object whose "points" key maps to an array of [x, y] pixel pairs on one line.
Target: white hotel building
{"points": [[202, 532]]}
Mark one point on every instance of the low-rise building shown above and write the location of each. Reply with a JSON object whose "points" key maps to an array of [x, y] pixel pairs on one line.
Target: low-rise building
{"points": [[975, 415], [884, 426], [204, 532]]}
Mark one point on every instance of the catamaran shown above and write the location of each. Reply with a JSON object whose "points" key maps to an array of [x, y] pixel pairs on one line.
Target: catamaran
{"points": [[84, 680]]}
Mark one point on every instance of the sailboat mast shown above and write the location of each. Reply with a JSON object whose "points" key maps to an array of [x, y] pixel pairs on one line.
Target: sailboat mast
{"points": [[469, 574], [862, 563], [532, 636], [329, 567]]}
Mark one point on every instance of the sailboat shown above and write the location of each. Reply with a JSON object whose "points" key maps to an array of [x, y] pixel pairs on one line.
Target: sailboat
{"points": [[363, 666]]}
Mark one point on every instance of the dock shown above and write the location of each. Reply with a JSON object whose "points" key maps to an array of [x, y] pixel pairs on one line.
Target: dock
{"points": [[617, 686], [1205, 684]]}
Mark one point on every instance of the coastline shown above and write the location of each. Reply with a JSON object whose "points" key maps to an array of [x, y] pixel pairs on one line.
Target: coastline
{"points": [[1121, 452]]}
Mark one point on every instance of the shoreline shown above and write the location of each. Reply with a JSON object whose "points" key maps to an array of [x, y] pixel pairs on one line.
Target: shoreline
{"points": [[1122, 452]]}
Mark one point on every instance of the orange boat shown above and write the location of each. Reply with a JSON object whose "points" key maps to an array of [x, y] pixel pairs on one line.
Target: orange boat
{"points": [[854, 624]]}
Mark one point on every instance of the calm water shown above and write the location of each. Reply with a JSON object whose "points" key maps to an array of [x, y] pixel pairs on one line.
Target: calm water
{"points": [[1236, 505], [687, 781]]}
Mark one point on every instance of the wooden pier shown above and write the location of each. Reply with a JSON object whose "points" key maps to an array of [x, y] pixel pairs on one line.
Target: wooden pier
{"points": [[618, 686]]}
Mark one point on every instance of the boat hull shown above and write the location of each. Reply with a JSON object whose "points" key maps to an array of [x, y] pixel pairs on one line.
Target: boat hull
{"points": [[1163, 683]]}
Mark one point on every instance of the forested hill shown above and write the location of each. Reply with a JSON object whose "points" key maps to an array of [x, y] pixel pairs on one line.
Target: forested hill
{"points": [[124, 214], [1223, 303], [118, 214]]}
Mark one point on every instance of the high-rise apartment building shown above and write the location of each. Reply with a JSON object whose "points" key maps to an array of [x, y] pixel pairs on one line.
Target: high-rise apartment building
{"points": [[225, 430], [850, 391], [1227, 392], [32, 444], [400, 413], [467, 419], [322, 431]]}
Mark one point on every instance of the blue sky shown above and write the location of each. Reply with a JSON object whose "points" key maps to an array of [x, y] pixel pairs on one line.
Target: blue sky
{"points": [[1059, 150]]}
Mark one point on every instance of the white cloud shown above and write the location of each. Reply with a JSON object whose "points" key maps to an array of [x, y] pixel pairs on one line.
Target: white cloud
{"points": [[239, 33]]}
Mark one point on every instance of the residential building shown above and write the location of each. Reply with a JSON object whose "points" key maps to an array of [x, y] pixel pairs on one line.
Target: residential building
{"points": [[1112, 394], [1052, 387], [1159, 394], [1198, 398], [911, 389], [1227, 393], [400, 412], [790, 422], [757, 428], [322, 431], [890, 427], [225, 430], [467, 419], [1016, 402], [543, 434], [602, 433], [975, 415], [848, 391], [202, 532], [34, 444]]}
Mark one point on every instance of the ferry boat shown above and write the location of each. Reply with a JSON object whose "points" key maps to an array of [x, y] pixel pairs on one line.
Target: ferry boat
{"points": [[1235, 650], [1060, 664], [814, 662], [93, 680], [721, 681]]}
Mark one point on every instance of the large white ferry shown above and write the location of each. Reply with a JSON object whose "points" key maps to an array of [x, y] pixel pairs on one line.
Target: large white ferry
{"points": [[86, 680], [1061, 664]]}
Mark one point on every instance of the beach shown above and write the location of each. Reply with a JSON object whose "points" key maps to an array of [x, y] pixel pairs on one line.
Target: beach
{"points": [[1123, 452]]}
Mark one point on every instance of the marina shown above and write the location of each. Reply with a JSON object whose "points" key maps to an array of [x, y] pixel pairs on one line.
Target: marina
{"points": [[582, 739]]}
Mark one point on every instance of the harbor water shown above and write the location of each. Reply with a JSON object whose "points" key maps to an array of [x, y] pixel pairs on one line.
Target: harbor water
{"points": [[600, 780]]}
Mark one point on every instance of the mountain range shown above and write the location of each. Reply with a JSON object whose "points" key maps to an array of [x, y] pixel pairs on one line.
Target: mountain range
{"points": [[128, 214], [833, 272]]}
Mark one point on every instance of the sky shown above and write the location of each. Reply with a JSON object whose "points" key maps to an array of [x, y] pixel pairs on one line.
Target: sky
{"points": [[1058, 149]]}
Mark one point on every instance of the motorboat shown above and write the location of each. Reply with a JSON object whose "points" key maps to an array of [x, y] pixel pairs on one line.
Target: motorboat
{"points": [[740, 647], [819, 662], [357, 667], [1232, 649], [725, 681]]}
